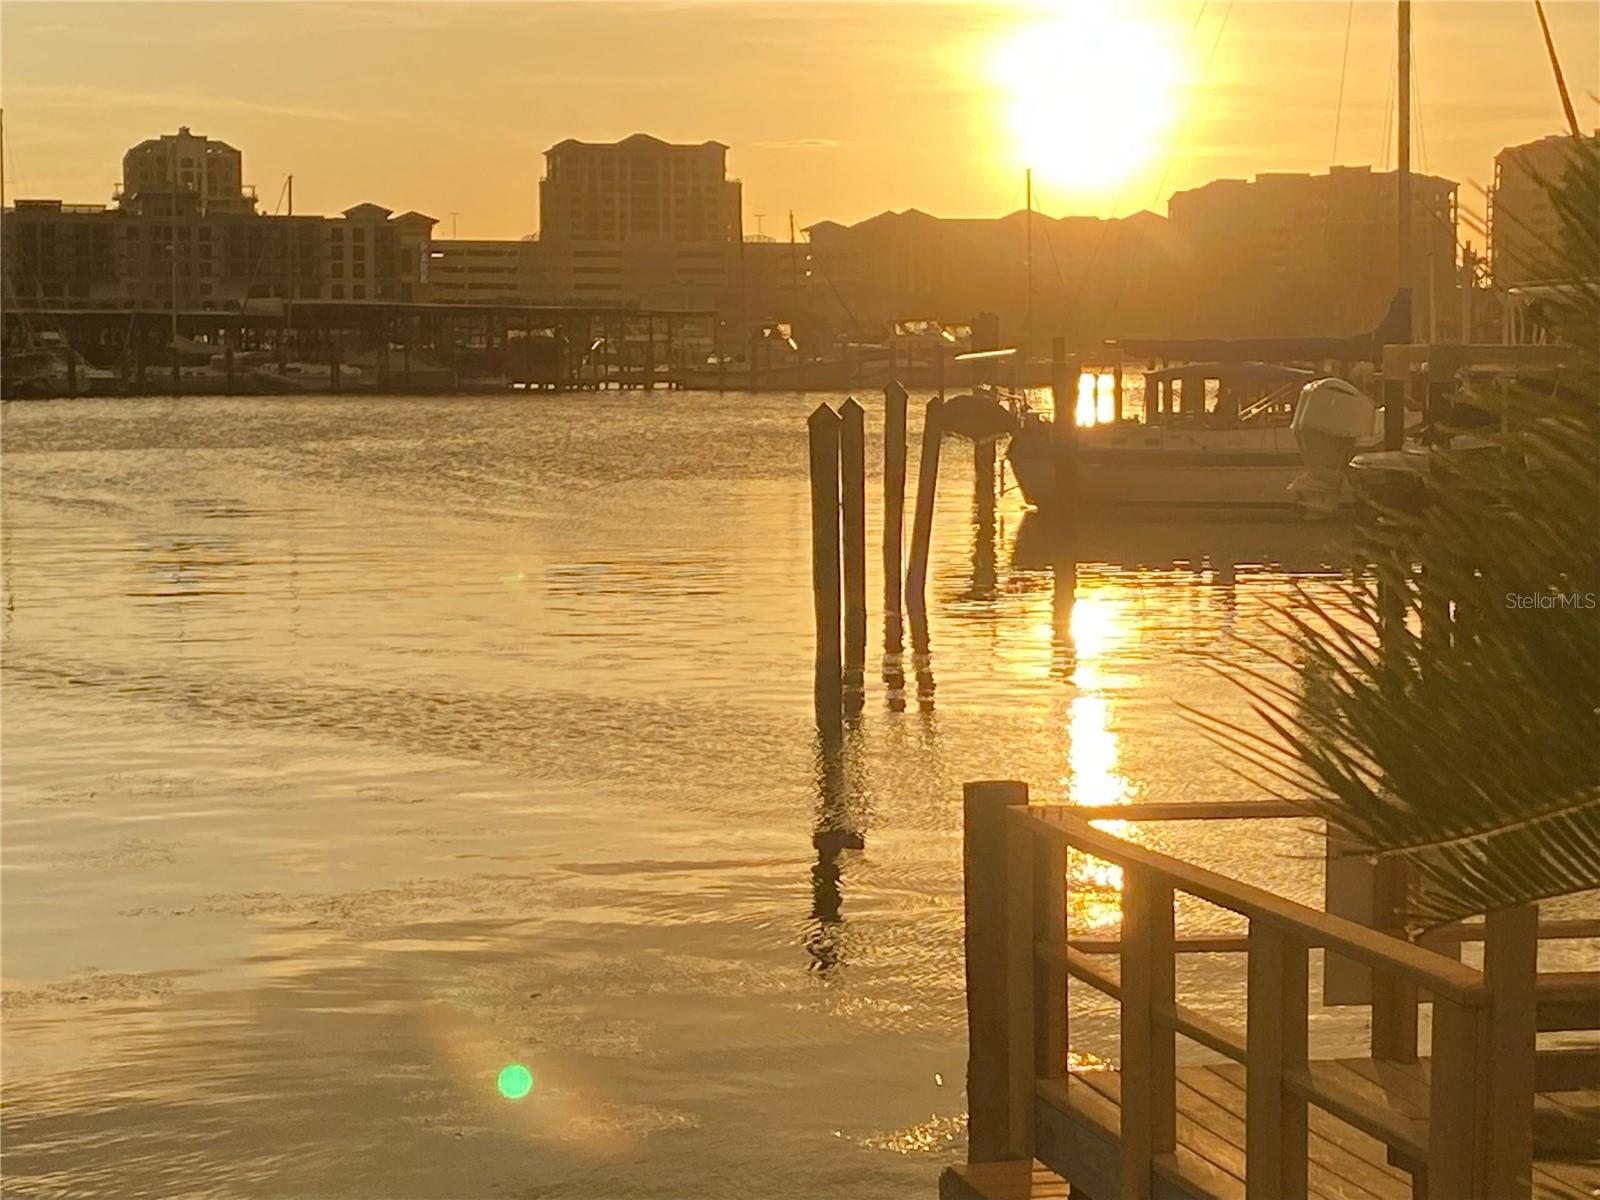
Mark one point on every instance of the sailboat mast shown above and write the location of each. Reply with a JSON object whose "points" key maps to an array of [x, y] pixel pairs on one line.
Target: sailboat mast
{"points": [[1403, 159], [1027, 329], [174, 251], [288, 259]]}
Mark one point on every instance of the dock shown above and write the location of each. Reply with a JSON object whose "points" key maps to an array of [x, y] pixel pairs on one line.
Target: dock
{"points": [[1482, 1113], [491, 346]]}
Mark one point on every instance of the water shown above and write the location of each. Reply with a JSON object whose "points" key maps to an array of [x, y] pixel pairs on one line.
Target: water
{"points": [[355, 749]]}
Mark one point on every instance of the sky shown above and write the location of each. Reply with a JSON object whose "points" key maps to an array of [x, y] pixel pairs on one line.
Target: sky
{"points": [[832, 110]]}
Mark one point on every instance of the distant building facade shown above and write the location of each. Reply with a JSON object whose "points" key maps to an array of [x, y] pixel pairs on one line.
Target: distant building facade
{"points": [[1078, 276], [485, 271], [641, 222], [201, 244], [777, 279], [1523, 228], [1300, 254]]}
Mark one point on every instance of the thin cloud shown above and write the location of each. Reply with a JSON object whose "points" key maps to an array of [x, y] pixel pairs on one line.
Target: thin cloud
{"points": [[82, 95], [798, 144]]}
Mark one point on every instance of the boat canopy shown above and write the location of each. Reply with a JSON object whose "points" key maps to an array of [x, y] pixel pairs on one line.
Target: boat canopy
{"points": [[1232, 374]]}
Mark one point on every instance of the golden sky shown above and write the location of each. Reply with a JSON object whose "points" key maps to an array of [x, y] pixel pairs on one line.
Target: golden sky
{"points": [[832, 110]]}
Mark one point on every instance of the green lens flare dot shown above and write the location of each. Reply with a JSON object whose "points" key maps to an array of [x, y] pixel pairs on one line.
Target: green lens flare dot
{"points": [[515, 1081]]}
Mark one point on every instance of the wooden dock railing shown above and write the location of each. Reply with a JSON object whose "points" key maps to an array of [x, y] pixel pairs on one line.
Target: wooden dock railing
{"points": [[1459, 1122]]}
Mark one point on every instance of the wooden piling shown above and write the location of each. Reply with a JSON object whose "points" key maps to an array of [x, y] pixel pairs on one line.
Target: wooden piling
{"points": [[894, 506], [1116, 392], [650, 354], [823, 434], [983, 485], [983, 480], [941, 371], [72, 371], [999, 956], [922, 520], [853, 512]]}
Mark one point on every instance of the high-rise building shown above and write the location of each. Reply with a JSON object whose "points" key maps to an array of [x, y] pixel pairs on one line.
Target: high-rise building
{"points": [[210, 170], [1524, 231], [641, 222], [1300, 254]]}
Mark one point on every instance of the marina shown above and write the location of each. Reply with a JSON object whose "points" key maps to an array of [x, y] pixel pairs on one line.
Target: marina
{"points": [[1022, 628]]}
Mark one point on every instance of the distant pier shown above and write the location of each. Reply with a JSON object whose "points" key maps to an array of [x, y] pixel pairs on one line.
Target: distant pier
{"points": [[391, 346]]}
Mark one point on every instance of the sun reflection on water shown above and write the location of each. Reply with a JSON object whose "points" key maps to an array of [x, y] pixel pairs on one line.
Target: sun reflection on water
{"points": [[1097, 627]]}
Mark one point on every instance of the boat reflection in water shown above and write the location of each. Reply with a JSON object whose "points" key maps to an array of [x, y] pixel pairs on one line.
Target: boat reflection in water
{"points": [[1171, 538]]}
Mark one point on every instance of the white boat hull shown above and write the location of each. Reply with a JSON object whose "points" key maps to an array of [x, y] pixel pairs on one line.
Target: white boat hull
{"points": [[1240, 486], [1205, 469]]}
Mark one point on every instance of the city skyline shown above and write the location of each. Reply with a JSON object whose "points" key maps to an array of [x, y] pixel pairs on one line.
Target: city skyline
{"points": [[1203, 97]]}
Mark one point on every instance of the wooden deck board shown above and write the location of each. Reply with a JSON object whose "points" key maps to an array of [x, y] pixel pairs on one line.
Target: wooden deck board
{"points": [[1001, 1181], [1331, 1140], [1077, 1133], [1566, 1181], [1079, 1120], [1322, 1182]]}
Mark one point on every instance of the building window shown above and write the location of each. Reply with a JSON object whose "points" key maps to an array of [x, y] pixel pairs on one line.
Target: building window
{"points": [[358, 292], [338, 291]]}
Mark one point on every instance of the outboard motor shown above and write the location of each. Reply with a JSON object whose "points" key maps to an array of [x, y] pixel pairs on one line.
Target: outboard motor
{"points": [[1330, 419]]}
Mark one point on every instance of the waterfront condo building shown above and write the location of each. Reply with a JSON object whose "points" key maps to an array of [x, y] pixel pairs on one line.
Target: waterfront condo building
{"points": [[1522, 220], [641, 222], [1292, 254], [1083, 277], [194, 240]]}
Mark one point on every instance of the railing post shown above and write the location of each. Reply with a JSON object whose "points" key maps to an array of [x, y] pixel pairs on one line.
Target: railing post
{"points": [[1149, 1079], [1456, 1104], [1050, 991], [1511, 970], [999, 988], [1394, 1000], [1275, 1040]]}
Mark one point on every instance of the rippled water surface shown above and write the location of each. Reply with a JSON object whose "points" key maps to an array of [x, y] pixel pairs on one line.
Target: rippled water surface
{"points": [[356, 748]]}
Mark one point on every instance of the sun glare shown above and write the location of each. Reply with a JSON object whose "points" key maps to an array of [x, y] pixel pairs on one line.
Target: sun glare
{"points": [[1090, 88]]}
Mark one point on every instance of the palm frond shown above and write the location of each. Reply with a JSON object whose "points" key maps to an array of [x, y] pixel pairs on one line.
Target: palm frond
{"points": [[1448, 702]]}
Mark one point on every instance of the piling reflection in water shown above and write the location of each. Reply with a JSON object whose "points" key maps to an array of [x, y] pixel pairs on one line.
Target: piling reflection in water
{"points": [[838, 828]]}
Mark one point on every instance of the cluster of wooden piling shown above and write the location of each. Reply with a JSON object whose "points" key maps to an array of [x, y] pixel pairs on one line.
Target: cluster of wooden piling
{"points": [[839, 554], [838, 551]]}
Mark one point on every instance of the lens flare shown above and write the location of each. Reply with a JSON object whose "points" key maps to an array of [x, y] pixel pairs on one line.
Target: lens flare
{"points": [[515, 1081]]}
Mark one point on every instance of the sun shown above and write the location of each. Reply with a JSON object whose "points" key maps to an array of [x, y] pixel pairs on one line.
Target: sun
{"points": [[1090, 88]]}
